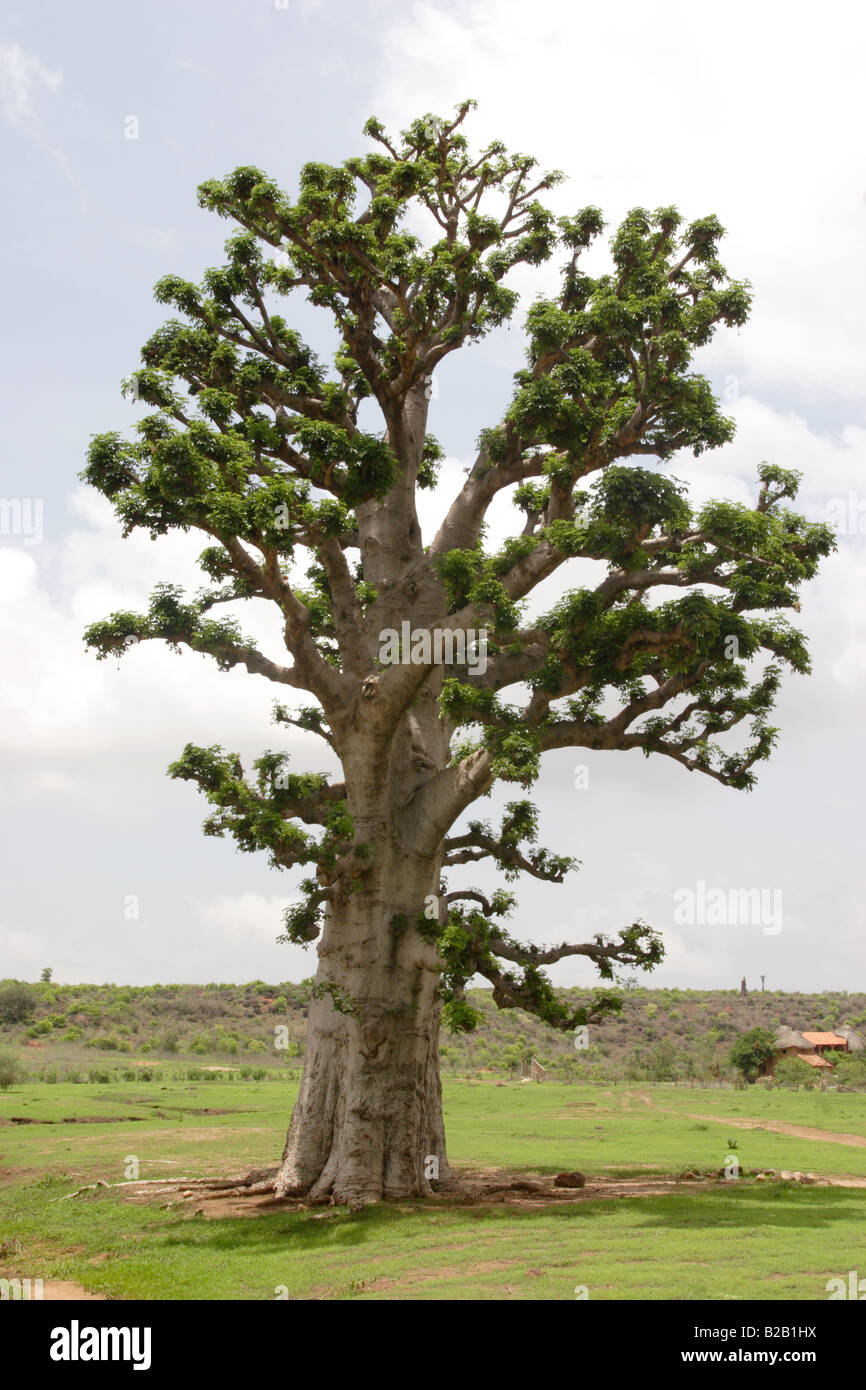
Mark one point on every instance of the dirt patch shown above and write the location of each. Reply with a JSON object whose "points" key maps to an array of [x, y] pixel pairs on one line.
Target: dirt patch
{"points": [[475, 1187], [643, 1097], [215, 1112], [214, 1199], [185, 1133], [177, 1112], [75, 1120], [56, 1290], [491, 1186]]}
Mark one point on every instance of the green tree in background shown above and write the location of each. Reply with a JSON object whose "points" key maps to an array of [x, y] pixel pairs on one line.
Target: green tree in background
{"points": [[752, 1051]]}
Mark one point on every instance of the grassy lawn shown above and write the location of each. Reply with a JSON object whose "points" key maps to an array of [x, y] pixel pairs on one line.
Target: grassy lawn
{"points": [[735, 1240]]}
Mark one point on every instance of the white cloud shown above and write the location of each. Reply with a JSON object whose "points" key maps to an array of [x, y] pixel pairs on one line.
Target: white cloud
{"points": [[242, 920], [21, 951], [244, 927], [72, 724], [192, 65], [162, 241], [22, 78], [736, 113]]}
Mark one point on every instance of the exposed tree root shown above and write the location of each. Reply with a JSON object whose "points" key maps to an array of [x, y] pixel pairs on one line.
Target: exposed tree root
{"points": [[257, 1180]]}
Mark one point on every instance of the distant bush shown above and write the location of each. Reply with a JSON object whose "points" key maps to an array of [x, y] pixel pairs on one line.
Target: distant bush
{"points": [[91, 1011], [17, 1003], [790, 1071], [11, 1072], [99, 1075], [850, 1070]]}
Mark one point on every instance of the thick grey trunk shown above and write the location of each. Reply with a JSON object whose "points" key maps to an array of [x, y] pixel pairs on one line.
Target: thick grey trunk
{"points": [[368, 1120]]}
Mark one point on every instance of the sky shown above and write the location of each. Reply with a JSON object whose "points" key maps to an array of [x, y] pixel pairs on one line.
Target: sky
{"points": [[111, 114]]}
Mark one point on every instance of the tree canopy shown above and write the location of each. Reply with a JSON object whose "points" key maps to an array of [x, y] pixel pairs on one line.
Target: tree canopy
{"points": [[752, 1051], [302, 476]]}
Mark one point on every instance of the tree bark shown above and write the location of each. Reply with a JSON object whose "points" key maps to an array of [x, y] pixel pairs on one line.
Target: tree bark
{"points": [[368, 1120]]}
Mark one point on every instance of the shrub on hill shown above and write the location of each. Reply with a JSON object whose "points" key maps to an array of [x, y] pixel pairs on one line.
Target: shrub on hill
{"points": [[18, 1003]]}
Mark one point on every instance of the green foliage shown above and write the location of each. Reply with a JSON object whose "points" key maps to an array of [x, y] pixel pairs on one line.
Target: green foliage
{"points": [[11, 1073], [753, 1050], [17, 1003], [791, 1071], [661, 1060], [849, 1069], [261, 447]]}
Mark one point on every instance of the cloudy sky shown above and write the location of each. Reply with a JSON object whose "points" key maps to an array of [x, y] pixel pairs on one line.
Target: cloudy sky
{"points": [[110, 115]]}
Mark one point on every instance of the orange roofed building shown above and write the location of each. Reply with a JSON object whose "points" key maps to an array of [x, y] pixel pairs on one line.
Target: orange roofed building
{"points": [[812, 1047]]}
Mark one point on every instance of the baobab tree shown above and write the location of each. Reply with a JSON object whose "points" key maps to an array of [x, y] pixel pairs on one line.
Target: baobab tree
{"points": [[677, 640]]}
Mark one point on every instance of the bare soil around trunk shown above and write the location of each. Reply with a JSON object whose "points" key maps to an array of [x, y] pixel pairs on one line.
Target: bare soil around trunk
{"points": [[472, 1187]]}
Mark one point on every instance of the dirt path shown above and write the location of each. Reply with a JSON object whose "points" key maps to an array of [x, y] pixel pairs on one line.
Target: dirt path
{"points": [[826, 1136]]}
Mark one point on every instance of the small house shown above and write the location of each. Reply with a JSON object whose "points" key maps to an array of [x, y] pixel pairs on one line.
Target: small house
{"points": [[816, 1049]]}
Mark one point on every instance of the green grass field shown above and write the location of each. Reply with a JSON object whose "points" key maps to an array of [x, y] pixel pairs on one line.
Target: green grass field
{"points": [[727, 1240]]}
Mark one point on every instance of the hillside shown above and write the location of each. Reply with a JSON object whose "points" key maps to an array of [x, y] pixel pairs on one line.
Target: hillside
{"points": [[662, 1034]]}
